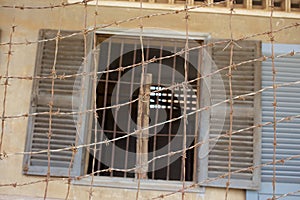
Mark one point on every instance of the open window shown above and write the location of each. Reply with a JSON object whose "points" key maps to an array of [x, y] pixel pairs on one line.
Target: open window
{"points": [[165, 103]]}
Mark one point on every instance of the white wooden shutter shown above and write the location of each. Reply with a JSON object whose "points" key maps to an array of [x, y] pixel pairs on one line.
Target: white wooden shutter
{"points": [[288, 133], [246, 112], [66, 130]]}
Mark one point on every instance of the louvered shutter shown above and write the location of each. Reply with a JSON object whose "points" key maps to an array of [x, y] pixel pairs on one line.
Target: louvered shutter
{"points": [[67, 130], [288, 132], [246, 112]]}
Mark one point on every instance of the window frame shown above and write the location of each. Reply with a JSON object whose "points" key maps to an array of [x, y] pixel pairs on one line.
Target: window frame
{"points": [[131, 183]]}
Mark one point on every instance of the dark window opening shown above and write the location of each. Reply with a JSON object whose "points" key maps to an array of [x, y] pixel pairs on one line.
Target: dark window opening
{"points": [[257, 3], [222, 2], [239, 1], [165, 104], [277, 3], [295, 4]]}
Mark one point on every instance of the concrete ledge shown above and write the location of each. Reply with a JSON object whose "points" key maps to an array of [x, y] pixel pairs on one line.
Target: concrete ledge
{"points": [[17, 197]]}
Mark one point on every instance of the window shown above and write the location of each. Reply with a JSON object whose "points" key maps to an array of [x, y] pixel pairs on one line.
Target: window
{"points": [[164, 104], [295, 4], [279, 4], [256, 3], [73, 125]]}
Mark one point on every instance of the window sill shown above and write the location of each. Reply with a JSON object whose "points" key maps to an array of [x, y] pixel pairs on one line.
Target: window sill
{"points": [[219, 10], [129, 183]]}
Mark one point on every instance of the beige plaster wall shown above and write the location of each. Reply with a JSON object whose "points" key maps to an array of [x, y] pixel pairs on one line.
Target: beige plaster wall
{"points": [[29, 22]]}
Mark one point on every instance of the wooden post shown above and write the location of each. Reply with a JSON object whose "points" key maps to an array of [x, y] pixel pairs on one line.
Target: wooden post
{"points": [[143, 122]]}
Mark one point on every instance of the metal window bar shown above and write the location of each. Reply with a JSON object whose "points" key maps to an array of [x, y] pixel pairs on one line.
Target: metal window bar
{"points": [[156, 113], [99, 153], [130, 108], [116, 110], [196, 167], [171, 113]]}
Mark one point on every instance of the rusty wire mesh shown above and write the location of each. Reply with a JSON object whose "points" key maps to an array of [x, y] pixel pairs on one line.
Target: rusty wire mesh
{"points": [[186, 9]]}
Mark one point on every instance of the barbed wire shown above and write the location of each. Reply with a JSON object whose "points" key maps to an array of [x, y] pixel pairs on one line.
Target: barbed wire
{"points": [[58, 112], [149, 61], [287, 194], [118, 22], [289, 118], [93, 75], [192, 185], [50, 6]]}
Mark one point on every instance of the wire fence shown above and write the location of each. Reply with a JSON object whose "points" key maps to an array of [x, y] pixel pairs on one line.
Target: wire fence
{"points": [[93, 146]]}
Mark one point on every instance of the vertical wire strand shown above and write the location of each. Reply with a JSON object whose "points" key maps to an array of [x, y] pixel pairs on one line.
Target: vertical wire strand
{"points": [[53, 77], [94, 96], [230, 100], [85, 39], [271, 36], [53, 73], [186, 53], [74, 151], [141, 90], [9, 55]]}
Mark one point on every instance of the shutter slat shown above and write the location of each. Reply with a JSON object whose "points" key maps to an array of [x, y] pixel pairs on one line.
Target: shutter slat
{"points": [[55, 136], [244, 176], [63, 127]]}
